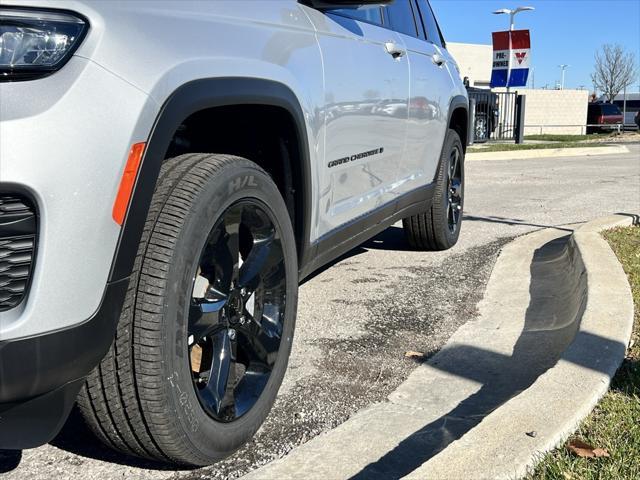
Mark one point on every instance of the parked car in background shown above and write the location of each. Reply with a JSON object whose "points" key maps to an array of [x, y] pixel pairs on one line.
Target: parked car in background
{"points": [[637, 120], [603, 116], [629, 105]]}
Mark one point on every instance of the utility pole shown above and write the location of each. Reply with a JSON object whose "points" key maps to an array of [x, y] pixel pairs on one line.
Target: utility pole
{"points": [[512, 14], [624, 107], [563, 67]]}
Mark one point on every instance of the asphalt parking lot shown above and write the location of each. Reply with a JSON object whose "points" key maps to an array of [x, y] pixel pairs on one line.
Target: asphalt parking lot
{"points": [[358, 317]]}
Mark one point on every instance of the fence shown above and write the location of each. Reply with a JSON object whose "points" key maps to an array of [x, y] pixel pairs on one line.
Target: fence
{"points": [[495, 115]]}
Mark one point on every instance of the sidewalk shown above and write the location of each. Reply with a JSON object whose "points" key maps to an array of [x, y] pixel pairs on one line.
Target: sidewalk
{"points": [[550, 152]]}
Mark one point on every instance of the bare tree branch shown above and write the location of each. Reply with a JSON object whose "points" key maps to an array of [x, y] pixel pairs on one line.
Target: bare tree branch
{"points": [[614, 70]]}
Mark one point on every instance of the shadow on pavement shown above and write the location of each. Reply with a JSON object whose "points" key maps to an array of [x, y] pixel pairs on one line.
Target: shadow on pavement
{"points": [[390, 239], [9, 460], [393, 238], [513, 222], [558, 298]]}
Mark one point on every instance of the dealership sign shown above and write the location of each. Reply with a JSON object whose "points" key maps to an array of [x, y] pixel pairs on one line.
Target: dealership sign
{"points": [[511, 58]]}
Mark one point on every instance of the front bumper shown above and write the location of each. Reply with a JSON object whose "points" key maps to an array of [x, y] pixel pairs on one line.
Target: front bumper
{"points": [[40, 376]]}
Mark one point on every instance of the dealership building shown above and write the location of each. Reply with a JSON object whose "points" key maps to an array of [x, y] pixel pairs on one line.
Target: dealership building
{"points": [[475, 62]]}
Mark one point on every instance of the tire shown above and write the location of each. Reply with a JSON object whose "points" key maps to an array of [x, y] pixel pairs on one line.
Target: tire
{"points": [[434, 229], [151, 396]]}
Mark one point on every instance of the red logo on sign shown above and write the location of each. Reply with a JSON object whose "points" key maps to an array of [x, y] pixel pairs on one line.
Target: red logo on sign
{"points": [[520, 57]]}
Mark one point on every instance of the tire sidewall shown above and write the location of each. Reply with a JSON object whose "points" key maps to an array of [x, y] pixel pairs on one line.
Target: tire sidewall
{"points": [[211, 438]]}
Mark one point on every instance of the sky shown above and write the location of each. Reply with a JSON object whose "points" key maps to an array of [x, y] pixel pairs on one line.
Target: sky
{"points": [[562, 31]]}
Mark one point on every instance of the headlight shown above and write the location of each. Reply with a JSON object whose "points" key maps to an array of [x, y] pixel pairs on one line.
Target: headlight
{"points": [[36, 43]]}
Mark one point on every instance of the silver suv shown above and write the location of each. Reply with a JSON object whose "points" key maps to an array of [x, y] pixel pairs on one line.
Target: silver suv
{"points": [[171, 170]]}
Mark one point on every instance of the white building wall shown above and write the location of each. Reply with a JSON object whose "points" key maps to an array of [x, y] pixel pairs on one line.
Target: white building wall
{"points": [[561, 112], [475, 62]]}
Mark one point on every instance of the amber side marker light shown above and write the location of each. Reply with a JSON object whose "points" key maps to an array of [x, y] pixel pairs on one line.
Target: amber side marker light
{"points": [[127, 182]]}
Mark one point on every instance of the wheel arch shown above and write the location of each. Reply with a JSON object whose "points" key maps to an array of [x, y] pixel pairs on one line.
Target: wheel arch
{"points": [[189, 99], [459, 118]]}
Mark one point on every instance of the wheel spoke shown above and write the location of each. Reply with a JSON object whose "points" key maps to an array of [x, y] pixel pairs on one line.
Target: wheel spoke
{"points": [[268, 320], [258, 263], [271, 322], [454, 163], [260, 349], [220, 371], [225, 254], [204, 318], [248, 391]]}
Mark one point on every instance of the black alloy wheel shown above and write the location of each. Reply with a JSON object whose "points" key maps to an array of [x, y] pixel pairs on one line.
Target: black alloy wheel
{"points": [[237, 310], [454, 206]]}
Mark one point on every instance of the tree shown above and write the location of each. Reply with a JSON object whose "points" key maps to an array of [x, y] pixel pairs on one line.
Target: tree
{"points": [[615, 69]]}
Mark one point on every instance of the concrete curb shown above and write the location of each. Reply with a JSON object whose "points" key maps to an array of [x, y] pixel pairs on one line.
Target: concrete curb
{"points": [[564, 395], [550, 152], [465, 413]]}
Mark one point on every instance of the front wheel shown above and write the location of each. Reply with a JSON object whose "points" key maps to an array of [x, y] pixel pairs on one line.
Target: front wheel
{"points": [[205, 334], [438, 227]]}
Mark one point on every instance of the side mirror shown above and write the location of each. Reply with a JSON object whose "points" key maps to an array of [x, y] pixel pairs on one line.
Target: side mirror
{"points": [[326, 4]]}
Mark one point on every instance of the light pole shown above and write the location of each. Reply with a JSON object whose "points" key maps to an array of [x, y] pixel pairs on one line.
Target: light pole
{"points": [[512, 14], [563, 67], [512, 26]]}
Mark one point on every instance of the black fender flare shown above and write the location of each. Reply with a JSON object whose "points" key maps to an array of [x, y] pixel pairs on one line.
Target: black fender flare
{"points": [[188, 99], [457, 102]]}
